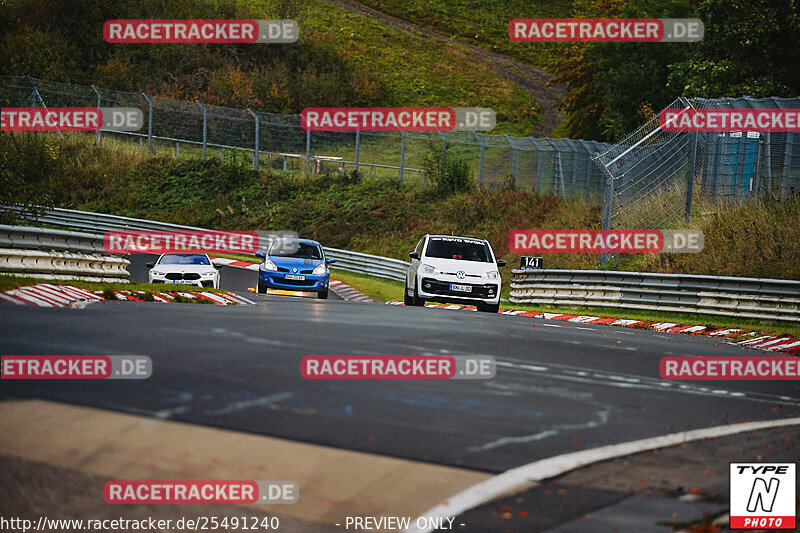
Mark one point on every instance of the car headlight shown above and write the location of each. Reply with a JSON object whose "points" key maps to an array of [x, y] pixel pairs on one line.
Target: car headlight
{"points": [[492, 275], [320, 270], [269, 265], [153, 272], [208, 274], [428, 269]]}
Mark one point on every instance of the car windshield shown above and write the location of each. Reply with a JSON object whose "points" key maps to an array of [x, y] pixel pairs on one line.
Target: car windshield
{"points": [[184, 259], [304, 250], [458, 248]]}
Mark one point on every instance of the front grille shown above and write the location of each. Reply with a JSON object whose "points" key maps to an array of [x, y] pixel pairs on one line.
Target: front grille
{"points": [[178, 275], [443, 288], [296, 282], [307, 271]]}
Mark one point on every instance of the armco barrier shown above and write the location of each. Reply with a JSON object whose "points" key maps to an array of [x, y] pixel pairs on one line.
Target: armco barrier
{"points": [[64, 265], [711, 295], [374, 265], [49, 239]]}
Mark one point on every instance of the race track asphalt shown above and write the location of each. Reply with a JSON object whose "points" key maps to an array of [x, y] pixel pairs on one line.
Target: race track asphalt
{"points": [[558, 388]]}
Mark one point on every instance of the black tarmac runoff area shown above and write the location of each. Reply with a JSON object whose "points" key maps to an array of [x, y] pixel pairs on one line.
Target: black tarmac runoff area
{"points": [[558, 388]]}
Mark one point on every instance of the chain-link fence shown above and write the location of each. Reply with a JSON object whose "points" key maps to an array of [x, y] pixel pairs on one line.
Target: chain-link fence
{"points": [[563, 166], [653, 176]]}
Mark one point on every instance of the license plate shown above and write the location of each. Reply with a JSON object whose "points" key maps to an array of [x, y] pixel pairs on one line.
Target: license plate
{"points": [[295, 277], [461, 288], [183, 281]]}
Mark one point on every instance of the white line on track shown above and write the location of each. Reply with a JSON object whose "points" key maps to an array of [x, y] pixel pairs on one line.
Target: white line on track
{"points": [[531, 474]]}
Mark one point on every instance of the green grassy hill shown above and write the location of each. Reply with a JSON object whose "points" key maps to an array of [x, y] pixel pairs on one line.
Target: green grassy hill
{"points": [[341, 59]]}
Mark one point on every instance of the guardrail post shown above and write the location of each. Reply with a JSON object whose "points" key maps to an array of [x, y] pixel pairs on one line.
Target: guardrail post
{"points": [[255, 150], [358, 145], [149, 124], [308, 151], [97, 135], [690, 177], [205, 128], [480, 160], [402, 156]]}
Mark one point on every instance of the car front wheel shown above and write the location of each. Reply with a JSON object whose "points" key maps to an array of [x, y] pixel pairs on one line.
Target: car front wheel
{"points": [[322, 295], [262, 288]]}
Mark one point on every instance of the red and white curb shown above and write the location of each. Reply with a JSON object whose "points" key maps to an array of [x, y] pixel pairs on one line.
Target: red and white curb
{"points": [[346, 292], [770, 343], [234, 263], [48, 295]]}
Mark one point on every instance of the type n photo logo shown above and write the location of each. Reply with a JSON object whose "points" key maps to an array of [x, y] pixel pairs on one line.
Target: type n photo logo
{"points": [[763, 495]]}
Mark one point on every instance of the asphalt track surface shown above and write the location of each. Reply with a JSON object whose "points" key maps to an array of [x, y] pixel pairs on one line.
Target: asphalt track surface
{"points": [[558, 388]]}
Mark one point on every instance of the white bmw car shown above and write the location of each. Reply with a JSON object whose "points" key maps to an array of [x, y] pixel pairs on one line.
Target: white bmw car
{"points": [[454, 269], [184, 269]]}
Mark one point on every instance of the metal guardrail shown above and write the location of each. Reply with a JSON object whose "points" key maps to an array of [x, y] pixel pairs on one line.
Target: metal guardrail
{"points": [[773, 299], [64, 265], [373, 265], [49, 239]]}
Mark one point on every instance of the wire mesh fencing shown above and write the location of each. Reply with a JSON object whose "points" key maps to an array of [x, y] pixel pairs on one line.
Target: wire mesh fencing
{"points": [[193, 129], [653, 176]]}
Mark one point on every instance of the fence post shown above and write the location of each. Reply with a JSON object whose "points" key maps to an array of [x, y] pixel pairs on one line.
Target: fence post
{"points": [[480, 161], [205, 128], [358, 146], [538, 165], [513, 161], [444, 155], [558, 171], [255, 151], [308, 151], [690, 177], [177, 149], [608, 198], [402, 156], [97, 136], [149, 124], [574, 176]]}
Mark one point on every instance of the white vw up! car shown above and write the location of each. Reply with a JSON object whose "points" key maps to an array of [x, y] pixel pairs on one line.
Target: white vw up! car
{"points": [[453, 269]]}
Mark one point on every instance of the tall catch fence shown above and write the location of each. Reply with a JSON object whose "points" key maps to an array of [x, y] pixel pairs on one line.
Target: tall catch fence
{"points": [[182, 128], [654, 176]]}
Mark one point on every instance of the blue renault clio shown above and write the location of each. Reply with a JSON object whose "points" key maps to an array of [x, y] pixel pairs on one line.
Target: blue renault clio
{"points": [[296, 265]]}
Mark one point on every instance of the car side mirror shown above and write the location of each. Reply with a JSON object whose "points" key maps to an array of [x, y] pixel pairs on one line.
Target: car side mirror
{"points": [[501, 262], [150, 265], [414, 255], [217, 266], [262, 256], [330, 261]]}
